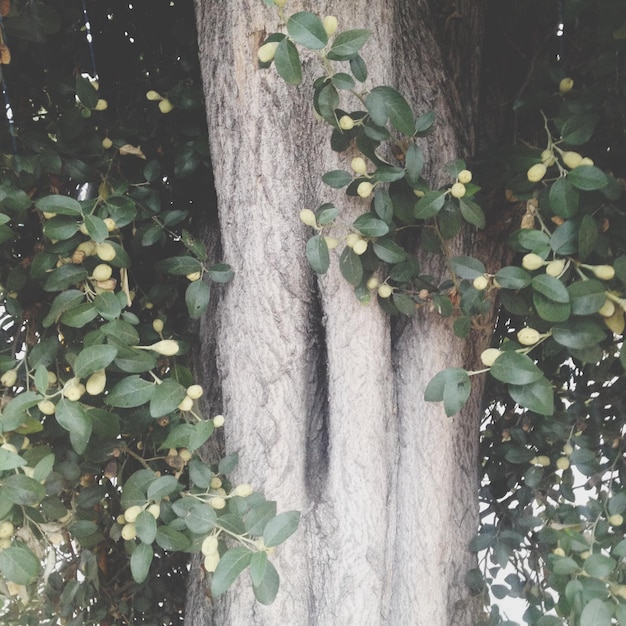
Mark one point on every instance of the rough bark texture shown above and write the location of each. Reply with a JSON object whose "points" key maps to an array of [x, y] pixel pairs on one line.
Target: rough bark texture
{"points": [[324, 396]]}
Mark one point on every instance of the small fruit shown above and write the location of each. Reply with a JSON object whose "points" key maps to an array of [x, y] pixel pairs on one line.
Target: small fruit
{"points": [[192, 277], [52, 379], [331, 242], [185, 455], [308, 217], [9, 378], [105, 251], [331, 24], [218, 421], [352, 239], [267, 51], [109, 222], [360, 247], [6, 529], [604, 272], [72, 390], [96, 383], [558, 552], [102, 272], [154, 510], [280, 3], [548, 158], [47, 407], [101, 105], [536, 172], [358, 165], [566, 85], [465, 176], [165, 347], [372, 283], [481, 282], [607, 309], [419, 193], [489, 356], [532, 261], [562, 463], [385, 291], [616, 519], [158, 325], [528, 336], [211, 561], [216, 482], [457, 190], [542, 460], [209, 545], [218, 503], [571, 159], [132, 513], [153, 95], [346, 122], [365, 189], [555, 268], [106, 143], [586, 161], [195, 391], [88, 247], [243, 491], [568, 448], [186, 404], [165, 106], [129, 532]]}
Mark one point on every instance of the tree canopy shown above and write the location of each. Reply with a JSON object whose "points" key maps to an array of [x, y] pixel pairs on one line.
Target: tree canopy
{"points": [[106, 184]]}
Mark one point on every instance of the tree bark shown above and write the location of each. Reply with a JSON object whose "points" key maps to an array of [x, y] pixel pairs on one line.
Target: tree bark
{"points": [[324, 396]]}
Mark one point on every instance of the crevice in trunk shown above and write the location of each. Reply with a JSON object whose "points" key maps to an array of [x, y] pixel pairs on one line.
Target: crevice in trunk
{"points": [[317, 429]]}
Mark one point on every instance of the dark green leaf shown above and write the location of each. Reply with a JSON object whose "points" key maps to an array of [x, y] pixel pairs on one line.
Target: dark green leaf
{"points": [[232, 563], [171, 539], [10, 460], [280, 528], [429, 205], [346, 46], [15, 413], [388, 251], [96, 228], [93, 358], [287, 62], [63, 205], [130, 392], [588, 178], [472, 213], [19, 565], [73, 417], [265, 591], [370, 226], [200, 518], [163, 486], [358, 68], [452, 386], [587, 236], [166, 397], [221, 273], [512, 277], [197, 297], [146, 527], [180, 265], [414, 163], [467, 267], [108, 305], [595, 613], [388, 174], [564, 198], [578, 334], [551, 288], [140, 561], [22, 490], [317, 254], [385, 103], [350, 266], [307, 29], [64, 301], [537, 396], [86, 92], [586, 296], [514, 367], [65, 276], [337, 179]]}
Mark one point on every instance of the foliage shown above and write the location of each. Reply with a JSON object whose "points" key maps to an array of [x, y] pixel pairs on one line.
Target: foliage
{"points": [[556, 423], [103, 490]]}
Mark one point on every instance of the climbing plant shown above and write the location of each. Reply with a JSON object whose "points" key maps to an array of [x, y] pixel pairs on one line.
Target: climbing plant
{"points": [[103, 490], [553, 530]]}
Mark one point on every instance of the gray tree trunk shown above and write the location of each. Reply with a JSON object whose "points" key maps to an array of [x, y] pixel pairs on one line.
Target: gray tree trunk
{"points": [[324, 396]]}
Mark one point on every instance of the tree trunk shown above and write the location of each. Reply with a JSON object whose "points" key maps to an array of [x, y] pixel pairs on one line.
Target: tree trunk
{"points": [[324, 396]]}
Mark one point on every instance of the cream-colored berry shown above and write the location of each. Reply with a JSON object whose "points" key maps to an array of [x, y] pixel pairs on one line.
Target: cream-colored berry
{"points": [[186, 404], [528, 336], [6, 529], [110, 223], [9, 378], [465, 176], [129, 532], [105, 251], [542, 460], [607, 309], [571, 159], [365, 189], [243, 491], [489, 356], [165, 106], [165, 347], [47, 407], [331, 24], [457, 190], [154, 510], [331, 242], [352, 239], [566, 84], [132, 513], [604, 272], [308, 217], [360, 247], [372, 283], [216, 482], [616, 519], [480, 282], [195, 391], [102, 272], [532, 261], [158, 325], [548, 158], [209, 545], [192, 277], [101, 105], [536, 172], [211, 561], [218, 421], [562, 463], [106, 143], [96, 383], [385, 291], [218, 503], [346, 122], [185, 455], [154, 96], [359, 166], [555, 268]]}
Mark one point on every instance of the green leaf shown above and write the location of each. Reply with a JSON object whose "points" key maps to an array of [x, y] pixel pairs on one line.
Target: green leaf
{"points": [[197, 297], [146, 527], [86, 92], [358, 68], [65, 276], [201, 432], [550, 287], [414, 163], [79, 316], [221, 273], [163, 486], [404, 303], [232, 563], [130, 392], [64, 301], [595, 613], [599, 565], [513, 367], [73, 418], [22, 490], [258, 566], [307, 29], [342, 81], [550, 310], [257, 518], [228, 463], [15, 413], [96, 228], [287, 62], [265, 591], [388, 174], [171, 539], [63, 205], [587, 236], [564, 198], [337, 179], [93, 358], [61, 227], [452, 386], [385, 103], [200, 518], [280, 528], [586, 296], [467, 267], [537, 396], [166, 397], [351, 266], [472, 213], [588, 178], [317, 254], [122, 331], [424, 124], [512, 277], [370, 226], [388, 251], [140, 561], [346, 46], [19, 565], [10, 460], [180, 265], [578, 334], [429, 204]]}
